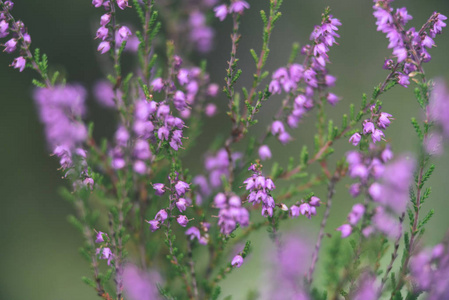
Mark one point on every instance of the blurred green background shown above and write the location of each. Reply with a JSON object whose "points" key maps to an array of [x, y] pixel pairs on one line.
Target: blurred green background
{"points": [[39, 256]]}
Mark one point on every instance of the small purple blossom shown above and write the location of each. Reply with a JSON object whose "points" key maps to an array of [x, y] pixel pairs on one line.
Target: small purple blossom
{"points": [[221, 12], [237, 261], [345, 230], [19, 63], [238, 6], [355, 139], [182, 220]]}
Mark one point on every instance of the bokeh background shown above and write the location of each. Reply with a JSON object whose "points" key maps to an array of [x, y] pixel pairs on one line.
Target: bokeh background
{"points": [[39, 256]]}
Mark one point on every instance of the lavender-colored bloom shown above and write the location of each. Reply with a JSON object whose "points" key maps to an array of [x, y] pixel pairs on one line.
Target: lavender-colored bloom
{"points": [[140, 285], [122, 4], [19, 63], [355, 139], [181, 204], [345, 230], [140, 167], [294, 211], [354, 190], [102, 33], [105, 19], [161, 215], [181, 187], [122, 35], [332, 99], [182, 220], [142, 150], [157, 84], [403, 79], [221, 12], [4, 29], [59, 107], [384, 120], [154, 225], [377, 135], [356, 214], [159, 188], [97, 3], [238, 6], [237, 261], [193, 232], [368, 127], [10, 46], [104, 47], [104, 93], [99, 237]]}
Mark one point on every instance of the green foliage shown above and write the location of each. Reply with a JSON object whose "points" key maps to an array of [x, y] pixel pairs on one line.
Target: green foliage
{"points": [[417, 129]]}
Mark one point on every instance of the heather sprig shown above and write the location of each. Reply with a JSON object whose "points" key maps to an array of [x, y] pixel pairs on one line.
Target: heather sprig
{"points": [[153, 228]]}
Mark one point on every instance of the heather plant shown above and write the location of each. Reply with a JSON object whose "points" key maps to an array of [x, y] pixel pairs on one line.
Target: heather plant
{"points": [[153, 229]]}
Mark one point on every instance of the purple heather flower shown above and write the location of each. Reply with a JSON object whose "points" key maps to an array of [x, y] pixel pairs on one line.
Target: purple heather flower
{"points": [[193, 232], [4, 28], [384, 120], [237, 261], [142, 150], [220, 200], [401, 54], [238, 6], [182, 220], [103, 91], [122, 4], [99, 237], [284, 138], [19, 63], [181, 187], [294, 211], [123, 34], [354, 189], [179, 100], [314, 201], [163, 111], [139, 167], [332, 99], [105, 19], [264, 152], [121, 136], [356, 214], [181, 204], [345, 229], [159, 189], [403, 79], [377, 135], [355, 139], [102, 33], [368, 127], [104, 47], [97, 3], [213, 89], [157, 84], [221, 12], [154, 225], [10, 46], [210, 110], [140, 285], [161, 215], [306, 210]]}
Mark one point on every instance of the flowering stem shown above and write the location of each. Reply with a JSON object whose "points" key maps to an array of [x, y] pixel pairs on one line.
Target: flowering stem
{"points": [[30, 57], [90, 241], [330, 194]]}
